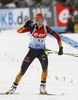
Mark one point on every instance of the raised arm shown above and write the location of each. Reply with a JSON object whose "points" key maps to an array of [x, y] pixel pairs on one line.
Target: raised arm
{"points": [[25, 28]]}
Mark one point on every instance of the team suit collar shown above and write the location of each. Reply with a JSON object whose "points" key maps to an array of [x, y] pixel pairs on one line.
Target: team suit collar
{"points": [[40, 27]]}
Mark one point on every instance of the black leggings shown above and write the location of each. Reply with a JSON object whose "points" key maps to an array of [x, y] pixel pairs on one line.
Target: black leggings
{"points": [[31, 55]]}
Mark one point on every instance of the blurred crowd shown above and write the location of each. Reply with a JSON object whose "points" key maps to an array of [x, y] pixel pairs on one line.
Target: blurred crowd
{"points": [[22, 3], [73, 8]]}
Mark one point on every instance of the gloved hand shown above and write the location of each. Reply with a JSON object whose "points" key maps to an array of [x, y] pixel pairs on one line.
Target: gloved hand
{"points": [[28, 23], [60, 51]]}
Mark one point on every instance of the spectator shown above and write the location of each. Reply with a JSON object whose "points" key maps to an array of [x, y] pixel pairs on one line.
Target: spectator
{"points": [[70, 25]]}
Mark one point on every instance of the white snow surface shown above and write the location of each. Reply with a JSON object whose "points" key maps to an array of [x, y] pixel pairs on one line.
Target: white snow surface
{"points": [[62, 74]]}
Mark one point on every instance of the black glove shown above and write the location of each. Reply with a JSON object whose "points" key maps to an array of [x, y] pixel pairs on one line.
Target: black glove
{"points": [[60, 51], [28, 23]]}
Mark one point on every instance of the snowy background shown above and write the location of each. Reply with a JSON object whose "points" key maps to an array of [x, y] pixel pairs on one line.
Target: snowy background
{"points": [[62, 76]]}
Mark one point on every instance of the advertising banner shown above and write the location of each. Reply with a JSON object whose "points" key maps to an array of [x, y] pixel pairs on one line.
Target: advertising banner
{"points": [[47, 12], [13, 18], [62, 15]]}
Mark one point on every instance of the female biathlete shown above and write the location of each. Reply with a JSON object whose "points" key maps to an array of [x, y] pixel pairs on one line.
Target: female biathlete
{"points": [[36, 50]]}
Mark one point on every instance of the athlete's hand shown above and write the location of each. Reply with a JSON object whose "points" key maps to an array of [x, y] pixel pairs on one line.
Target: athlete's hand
{"points": [[60, 51], [28, 23]]}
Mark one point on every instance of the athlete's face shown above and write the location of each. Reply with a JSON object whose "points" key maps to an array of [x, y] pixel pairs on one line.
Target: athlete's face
{"points": [[39, 22]]}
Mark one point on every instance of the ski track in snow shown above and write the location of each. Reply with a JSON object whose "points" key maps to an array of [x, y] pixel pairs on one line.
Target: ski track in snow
{"points": [[62, 76]]}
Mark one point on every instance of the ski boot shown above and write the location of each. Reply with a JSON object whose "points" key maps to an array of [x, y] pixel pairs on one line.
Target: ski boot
{"points": [[12, 89], [43, 88]]}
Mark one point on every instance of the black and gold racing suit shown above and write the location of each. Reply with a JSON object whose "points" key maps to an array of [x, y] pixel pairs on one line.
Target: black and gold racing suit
{"points": [[36, 49]]}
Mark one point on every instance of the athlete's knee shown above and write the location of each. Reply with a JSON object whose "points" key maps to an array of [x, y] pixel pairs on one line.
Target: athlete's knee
{"points": [[22, 73], [45, 69], [44, 65]]}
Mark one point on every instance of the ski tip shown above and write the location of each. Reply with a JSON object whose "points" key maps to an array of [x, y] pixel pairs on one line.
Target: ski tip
{"points": [[5, 93]]}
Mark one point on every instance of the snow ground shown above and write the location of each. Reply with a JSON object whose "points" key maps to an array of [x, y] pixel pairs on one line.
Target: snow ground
{"points": [[62, 76]]}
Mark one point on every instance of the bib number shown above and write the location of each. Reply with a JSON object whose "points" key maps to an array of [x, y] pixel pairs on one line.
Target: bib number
{"points": [[38, 41]]}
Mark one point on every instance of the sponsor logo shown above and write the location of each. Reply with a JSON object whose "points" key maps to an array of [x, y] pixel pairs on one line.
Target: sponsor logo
{"points": [[47, 13], [27, 58], [39, 35], [44, 59], [13, 18], [45, 74], [64, 15]]}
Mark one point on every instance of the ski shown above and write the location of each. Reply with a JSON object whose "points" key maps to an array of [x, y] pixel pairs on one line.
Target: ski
{"points": [[52, 94], [6, 93]]}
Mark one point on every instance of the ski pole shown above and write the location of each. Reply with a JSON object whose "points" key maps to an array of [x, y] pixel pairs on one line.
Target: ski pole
{"points": [[56, 52]]}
